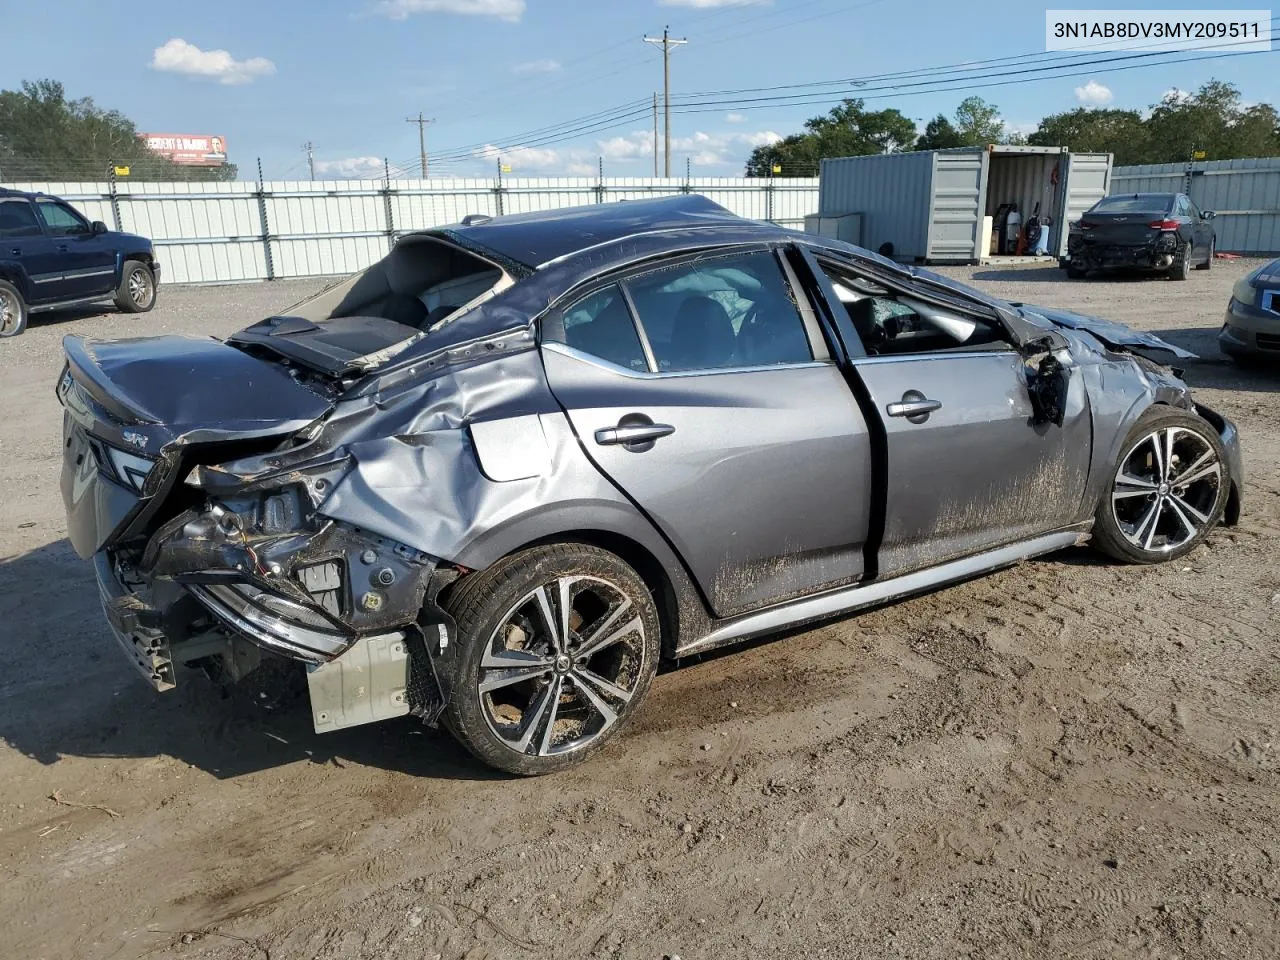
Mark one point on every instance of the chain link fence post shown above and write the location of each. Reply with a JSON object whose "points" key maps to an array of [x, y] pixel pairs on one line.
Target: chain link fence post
{"points": [[261, 194], [599, 179], [497, 190], [115, 199], [687, 186], [387, 207]]}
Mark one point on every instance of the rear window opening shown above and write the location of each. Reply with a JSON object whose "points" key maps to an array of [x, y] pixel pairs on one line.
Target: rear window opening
{"points": [[423, 283]]}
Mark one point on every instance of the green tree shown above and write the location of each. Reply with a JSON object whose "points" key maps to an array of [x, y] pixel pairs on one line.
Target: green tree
{"points": [[45, 136], [847, 131], [1088, 130], [939, 134], [978, 122], [1213, 120]]}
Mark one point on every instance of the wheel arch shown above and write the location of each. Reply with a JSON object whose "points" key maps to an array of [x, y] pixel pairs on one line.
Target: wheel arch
{"points": [[681, 607]]}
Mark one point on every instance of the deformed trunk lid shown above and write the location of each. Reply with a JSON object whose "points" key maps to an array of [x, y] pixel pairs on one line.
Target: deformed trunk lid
{"points": [[132, 408]]}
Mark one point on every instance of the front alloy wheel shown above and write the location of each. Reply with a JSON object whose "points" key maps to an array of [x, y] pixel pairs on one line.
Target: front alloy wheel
{"points": [[1168, 492], [560, 645]]}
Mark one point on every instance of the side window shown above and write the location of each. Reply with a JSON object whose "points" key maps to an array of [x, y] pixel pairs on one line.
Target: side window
{"points": [[18, 219], [601, 325], [1192, 210], [61, 220], [1183, 207], [720, 312], [890, 322]]}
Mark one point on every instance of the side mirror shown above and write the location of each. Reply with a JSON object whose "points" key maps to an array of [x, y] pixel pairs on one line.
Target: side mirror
{"points": [[1207, 215], [97, 228]]}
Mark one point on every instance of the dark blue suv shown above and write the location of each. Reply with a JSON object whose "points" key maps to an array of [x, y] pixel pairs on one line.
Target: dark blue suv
{"points": [[51, 256]]}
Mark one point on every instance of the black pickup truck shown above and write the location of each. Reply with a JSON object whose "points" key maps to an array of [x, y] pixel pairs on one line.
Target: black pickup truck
{"points": [[51, 256]]}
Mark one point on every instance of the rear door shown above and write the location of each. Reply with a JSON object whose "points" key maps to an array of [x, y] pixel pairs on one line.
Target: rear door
{"points": [[88, 262], [708, 396], [968, 465], [24, 245]]}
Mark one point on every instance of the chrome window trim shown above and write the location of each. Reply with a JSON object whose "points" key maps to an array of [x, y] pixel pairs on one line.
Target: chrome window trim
{"points": [[556, 347]]}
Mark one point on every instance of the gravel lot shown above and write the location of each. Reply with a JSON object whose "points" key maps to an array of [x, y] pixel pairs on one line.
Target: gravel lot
{"points": [[1067, 759]]}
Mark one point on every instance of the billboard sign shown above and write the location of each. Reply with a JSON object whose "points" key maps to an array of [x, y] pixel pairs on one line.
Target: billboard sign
{"points": [[193, 149]]}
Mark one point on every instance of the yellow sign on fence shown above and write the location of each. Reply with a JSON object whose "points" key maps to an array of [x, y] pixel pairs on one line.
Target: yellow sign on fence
{"points": [[1198, 155], [122, 171]]}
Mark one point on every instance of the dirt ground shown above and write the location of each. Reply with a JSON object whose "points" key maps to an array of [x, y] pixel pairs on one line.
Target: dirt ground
{"points": [[1070, 759]]}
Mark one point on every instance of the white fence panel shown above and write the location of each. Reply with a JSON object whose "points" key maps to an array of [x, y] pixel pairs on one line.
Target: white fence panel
{"points": [[222, 232]]}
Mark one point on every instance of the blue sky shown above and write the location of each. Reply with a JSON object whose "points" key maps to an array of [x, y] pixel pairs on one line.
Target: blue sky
{"points": [[272, 74]]}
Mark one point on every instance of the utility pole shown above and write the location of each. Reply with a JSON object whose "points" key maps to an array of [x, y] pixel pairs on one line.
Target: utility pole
{"points": [[422, 139], [655, 133], [667, 43], [311, 159]]}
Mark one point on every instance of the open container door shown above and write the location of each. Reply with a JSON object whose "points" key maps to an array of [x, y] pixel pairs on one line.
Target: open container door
{"points": [[1088, 178]]}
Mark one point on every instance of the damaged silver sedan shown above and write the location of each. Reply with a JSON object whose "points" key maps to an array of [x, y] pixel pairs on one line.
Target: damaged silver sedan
{"points": [[496, 477]]}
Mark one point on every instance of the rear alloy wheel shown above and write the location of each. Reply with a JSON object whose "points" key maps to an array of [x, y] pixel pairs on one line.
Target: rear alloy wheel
{"points": [[137, 290], [559, 646], [1181, 268], [13, 311], [1167, 493], [1208, 261]]}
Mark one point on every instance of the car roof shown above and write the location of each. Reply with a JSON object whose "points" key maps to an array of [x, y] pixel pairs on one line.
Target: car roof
{"points": [[6, 192], [534, 240], [1154, 197]]}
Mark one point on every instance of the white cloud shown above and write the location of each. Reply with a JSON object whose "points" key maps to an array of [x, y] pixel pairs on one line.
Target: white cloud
{"points": [[1094, 94], [351, 168], [580, 168], [520, 158], [537, 66], [509, 10], [1177, 93], [764, 138], [709, 3], [1022, 128], [178, 56], [636, 146], [703, 148], [735, 118]]}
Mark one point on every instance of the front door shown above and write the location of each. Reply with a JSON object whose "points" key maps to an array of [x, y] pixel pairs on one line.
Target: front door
{"points": [[702, 392], [969, 466], [88, 261]]}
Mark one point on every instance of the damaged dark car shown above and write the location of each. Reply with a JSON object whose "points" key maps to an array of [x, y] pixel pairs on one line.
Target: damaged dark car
{"points": [[1156, 232], [494, 479]]}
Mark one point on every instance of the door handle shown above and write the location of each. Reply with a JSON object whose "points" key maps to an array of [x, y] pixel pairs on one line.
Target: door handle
{"points": [[634, 434], [915, 406], [63, 248], [15, 251]]}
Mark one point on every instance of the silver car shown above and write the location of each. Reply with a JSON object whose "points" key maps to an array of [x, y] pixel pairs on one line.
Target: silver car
{"points": [[497, 477], [1252, 326]]}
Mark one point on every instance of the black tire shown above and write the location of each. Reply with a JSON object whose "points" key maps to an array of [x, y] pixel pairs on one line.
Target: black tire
{"points": [[13, 310], [1181, 268], [1145, 513], [498, 612], [137, 290], [1208, 261], [1074, 272]]}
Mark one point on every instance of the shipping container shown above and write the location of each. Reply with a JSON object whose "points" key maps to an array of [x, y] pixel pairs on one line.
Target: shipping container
{"points": [[929, 205]]}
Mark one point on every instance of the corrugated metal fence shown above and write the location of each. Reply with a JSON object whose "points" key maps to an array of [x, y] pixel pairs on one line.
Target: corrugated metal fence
{"points": [[220, 232], [1245, 195]]}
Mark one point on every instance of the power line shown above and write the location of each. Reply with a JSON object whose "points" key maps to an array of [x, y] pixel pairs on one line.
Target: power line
{"points": [[667, 43], [422, 139], [941, 85]]}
